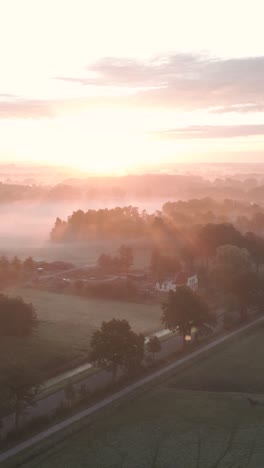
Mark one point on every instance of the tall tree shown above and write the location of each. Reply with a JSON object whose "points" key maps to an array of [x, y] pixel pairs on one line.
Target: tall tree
{"points": [[29, 264], [23, 385], [255, 246], [153, 345], [16, 264], [212, 236], [126, 257], [163, 265], [185, 309], [116, 346], [17, 318], [4, 263], [229, 263], [246, 287]]}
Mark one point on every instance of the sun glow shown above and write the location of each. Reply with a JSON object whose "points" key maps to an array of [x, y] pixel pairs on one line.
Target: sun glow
{"points": [[99, 141]]}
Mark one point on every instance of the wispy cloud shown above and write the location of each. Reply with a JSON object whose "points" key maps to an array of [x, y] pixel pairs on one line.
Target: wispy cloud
{"points": [[212, 131], [184, 81], [17, 108]]}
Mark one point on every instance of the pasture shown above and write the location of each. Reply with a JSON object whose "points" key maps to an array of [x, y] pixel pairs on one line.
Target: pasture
{"points": [[199, 416], [78, 253], [66, 323]]}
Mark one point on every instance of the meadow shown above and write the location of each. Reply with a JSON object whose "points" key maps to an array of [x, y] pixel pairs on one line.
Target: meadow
{"points": [[198, 416], [78, 253], [66, 323]]}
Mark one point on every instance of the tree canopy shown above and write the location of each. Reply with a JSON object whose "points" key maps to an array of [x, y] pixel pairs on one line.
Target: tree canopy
{"points": [[17, 318], [185, 309], [212, 236], [22, 385], [116, 346]]}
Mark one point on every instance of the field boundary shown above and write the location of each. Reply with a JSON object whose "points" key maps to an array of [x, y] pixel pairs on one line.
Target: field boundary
{"points": [[121, 393]]}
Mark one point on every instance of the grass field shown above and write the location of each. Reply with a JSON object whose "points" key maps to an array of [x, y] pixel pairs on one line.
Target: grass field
{"points": [[65, 326], [77, 253], [197, 418]]}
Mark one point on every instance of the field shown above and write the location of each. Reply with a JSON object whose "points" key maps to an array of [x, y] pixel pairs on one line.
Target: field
{"points": [[65, 326], [199, 417], [77, 253]]}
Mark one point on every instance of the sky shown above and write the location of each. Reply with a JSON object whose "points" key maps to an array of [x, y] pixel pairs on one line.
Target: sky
{"points": [[112, 87]]}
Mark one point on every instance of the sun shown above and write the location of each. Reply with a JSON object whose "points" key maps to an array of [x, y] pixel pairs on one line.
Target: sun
{"points": [[101, 142]]}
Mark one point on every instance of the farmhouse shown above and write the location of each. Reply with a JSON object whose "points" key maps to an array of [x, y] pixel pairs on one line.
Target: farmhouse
{"points": [[181, 279]]}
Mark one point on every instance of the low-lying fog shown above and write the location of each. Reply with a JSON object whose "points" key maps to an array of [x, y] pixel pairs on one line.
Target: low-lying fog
{"points": [[25, 226]]}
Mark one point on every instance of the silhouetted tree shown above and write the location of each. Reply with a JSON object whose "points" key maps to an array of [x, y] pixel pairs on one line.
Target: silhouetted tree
{"points": [[163, 265], [126, 257], [213, 236], [16, 264], [29, 264], [229, 263], [22, 384], [116, 346], [153, 345], [4, 263], [255, 246], [17, 318], [185, 309]]}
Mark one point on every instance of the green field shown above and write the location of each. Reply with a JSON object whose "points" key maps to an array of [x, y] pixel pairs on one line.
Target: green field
{"points": [[197, 418], [66, 323]]}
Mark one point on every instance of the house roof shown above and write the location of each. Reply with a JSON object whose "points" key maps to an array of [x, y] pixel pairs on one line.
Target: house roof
{"points": [[182, 277]]}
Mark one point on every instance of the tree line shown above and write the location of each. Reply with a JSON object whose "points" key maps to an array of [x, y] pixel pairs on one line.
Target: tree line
{"points": [[174, 219]]}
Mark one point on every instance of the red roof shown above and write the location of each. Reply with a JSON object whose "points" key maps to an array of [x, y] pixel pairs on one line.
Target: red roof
{"points": [[182, 277]]}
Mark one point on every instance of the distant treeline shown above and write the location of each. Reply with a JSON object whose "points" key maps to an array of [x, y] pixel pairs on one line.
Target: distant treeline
{"points": [[182, 216], [148, 186]]}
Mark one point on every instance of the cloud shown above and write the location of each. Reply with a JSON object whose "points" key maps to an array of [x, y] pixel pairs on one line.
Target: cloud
{"points": [[184, 81], [211, 131], [17, 108]]}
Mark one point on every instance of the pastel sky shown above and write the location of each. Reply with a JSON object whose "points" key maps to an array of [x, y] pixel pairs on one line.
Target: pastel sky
{"points": [[111, 86]]}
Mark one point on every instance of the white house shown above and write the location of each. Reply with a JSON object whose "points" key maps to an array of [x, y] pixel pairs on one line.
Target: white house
{"points": [[181, 279]]}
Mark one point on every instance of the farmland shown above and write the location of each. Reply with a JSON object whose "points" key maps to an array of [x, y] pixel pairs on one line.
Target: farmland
{"points": [[80, 254], [198, 417], [66, 323]]}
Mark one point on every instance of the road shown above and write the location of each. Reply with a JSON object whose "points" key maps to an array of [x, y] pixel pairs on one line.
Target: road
{"points": [[116, 396], [83, 367]]}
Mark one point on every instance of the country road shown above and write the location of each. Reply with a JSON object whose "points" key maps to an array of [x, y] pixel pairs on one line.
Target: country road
{"points": [[112, 398], [83, 367]]}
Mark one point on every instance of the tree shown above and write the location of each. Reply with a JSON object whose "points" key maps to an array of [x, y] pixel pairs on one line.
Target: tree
{"points": [[16, 264], [22, 386], [17, 318], [116, 346], [153, 345], [4, 263], [163, 265], [29, 264], [104, 261], [230, 262], [255, 246], [257, 222], [213, 236], [185, 309], [245, 288], [126, 257]]}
